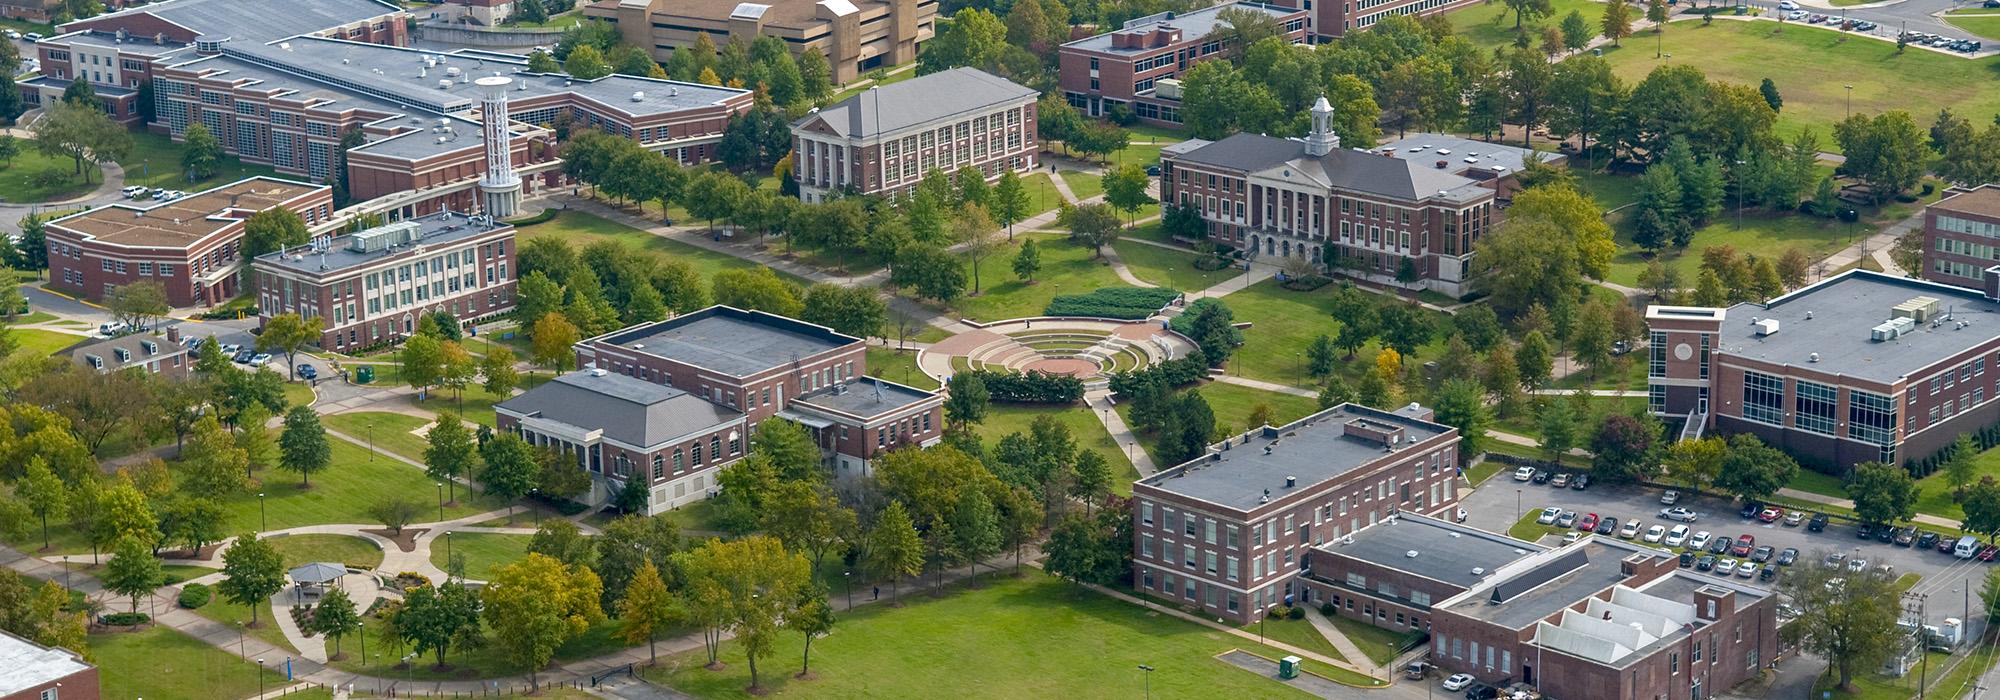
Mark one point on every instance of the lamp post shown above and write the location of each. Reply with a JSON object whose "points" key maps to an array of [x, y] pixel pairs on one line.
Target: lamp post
{"points": [[371, 439], [1850, 100], [447, 548], [848, 576], [263, 515], [240, 652], [1261, 617], [260, 677], [65, 572], [535, 494], [440, 491], [1298, 368], [1517, 502], [1148, 675], [1739, 195]]}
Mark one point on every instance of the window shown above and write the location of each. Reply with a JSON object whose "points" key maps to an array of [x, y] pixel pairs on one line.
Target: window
{"points": [[1146, 513], [1187, 555], [1188, 525], [1871, 417], [1657, 366], [1763, 398], [1816, 406]]}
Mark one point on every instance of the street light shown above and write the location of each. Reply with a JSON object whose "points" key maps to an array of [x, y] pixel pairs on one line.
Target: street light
{"points": [[535, 494], [848, 576], [260, 676], [447, 548], [1850, 100], [440, 490], [263, 515], [1739, 194], [371, 439], [1517, 502], [1149, 680]]}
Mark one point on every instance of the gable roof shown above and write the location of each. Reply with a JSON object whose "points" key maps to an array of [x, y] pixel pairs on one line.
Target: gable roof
{"points": [[1343, 169], [921, 100], [627, 409]]}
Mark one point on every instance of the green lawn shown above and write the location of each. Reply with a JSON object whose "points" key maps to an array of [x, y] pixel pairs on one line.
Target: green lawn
{"points": [[177, 573], [41, 342], [1812, 66], [33, 177], [581, 229], [1284, 322], [1066, 269], [699, 515], [889, 79], [1379, 644], [1763, 234], [1934, 495], [485, 662], [161, 663], [1013, 638], [1143, 149], [155, 161], [1168, 268], [389, 431], [1822, 484], [1042, 194], [1953, 683], [1083, 185], [1985, 26], [1491, 25], [1003, 419], [1610, 191], [1298, 633], [235, 616], [343, 492], [481, 552], [343, 549], [298, 393], [898, 367], [1232, 405], [1627, 374]]}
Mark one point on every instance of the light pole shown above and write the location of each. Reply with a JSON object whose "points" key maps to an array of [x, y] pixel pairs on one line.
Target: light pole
{"points": [[1850, 100], [65, 572], [263, 515], [447, 548], [371, 439], [1148, 675], [240, 652], [1298, 368], [848, 576], [440, 490], [1739, 195], [260, 676], [1517, 502], [534, 494]]}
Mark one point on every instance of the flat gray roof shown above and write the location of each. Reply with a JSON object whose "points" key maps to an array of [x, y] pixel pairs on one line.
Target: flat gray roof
{"points": [[1556, 579], [1193, 25], [25, 664], [1237, 473], [132, 44], [1444, 551], [1427, 149], [730, 340], [921, 100], [628, 409], [1843, 311], [252, 20], [866, 397], [442, 228]]}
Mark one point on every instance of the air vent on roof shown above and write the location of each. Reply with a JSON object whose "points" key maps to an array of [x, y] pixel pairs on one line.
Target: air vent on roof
{"points": [[598, 372], [1479, 571], [1412, 554], [639, 97], [444, 84], [1291, 482], [1813, 357], [1768, 326]]}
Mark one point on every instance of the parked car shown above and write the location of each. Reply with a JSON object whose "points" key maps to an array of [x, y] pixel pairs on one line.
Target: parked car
{"points": [[1607, 526], [1677, 536], [13, 35], [1687, 559], [1987, 552], [1885, 533], [1906, 536], [1458, 681], [1749, 510], [1721, 545], [1560, 480], [132, 191], [1958, 547], [1747, 570], [1817, 523], [1524, 473], [1743, 546], [1541, 476], [1788, 556], [260, 359], [1655, 534], [34, 36], [243, 356], [1481, 691], [1670, 498], [1787, 5], [1548, 516], [1857, 564], [1768, 573], [1582, 482], [230, 349], [1588, 522], [1793, 518], [1864, 531], [1699, 540], [1630, 530], [1834, 560], [1706, 562], [1725, 567], [307, 371], [1770, 515], [1571, 536], [1678, 514], [1927, 540], [1762, 553], [1567, 519]]}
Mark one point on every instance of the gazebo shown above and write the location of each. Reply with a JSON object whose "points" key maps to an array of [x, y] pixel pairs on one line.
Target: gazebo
{"points": [[315, 576]]}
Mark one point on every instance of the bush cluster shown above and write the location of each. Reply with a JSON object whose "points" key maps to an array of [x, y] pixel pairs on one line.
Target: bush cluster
{"points": [[125, 619], [1031, 387], [195, 595], [1172, 373], [1112, 302]]}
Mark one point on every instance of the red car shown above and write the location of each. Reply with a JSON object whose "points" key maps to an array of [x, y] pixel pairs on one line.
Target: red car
{"points": [[1743, 546], [1986, 553], [1770, 515], [1587, 523]]}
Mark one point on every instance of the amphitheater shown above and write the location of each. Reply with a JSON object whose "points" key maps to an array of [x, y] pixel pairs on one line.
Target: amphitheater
{"points": [[1082, 347]]}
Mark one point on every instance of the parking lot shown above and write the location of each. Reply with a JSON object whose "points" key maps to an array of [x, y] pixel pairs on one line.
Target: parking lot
{"points": [[1951, 584], [1907, 15]]}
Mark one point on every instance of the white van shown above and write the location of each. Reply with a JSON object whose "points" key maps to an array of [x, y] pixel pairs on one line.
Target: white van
{"points": [[111, 328], [1966, 547]]}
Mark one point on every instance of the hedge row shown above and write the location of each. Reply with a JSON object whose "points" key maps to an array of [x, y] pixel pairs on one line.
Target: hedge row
{"points": [[1986, 437], [1131, 303], [1034, 386], [1172, 373]]}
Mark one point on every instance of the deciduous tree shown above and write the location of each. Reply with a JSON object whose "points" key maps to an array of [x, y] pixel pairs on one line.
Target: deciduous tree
{"points": [[1883, 493], [252, 571], [535, 605], [302, 446]]}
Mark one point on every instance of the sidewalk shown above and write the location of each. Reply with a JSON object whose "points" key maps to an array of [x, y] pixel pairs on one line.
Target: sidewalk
{"points": [[1340, 641], [1923, 518]]}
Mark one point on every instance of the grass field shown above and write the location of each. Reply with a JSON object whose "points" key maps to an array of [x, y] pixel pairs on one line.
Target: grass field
{"points": [[155, 161], [1042, 194], [343, 549], [1985, 26], [343, 492], [1232, 405], [1284, 323], [1763, 234], [162, 663], [1947, 684], [1083, 185], [1003, 419], [485, 662], [892, 78], [1491, 25], [582, 229], [1168, 268], [389, 431], [235, 616], [898, 367], [26, 178], [41, 342], [1379, 644], [1298, 633], [481, 552], [1066, 269], [1811, 67], [1033, 636]]}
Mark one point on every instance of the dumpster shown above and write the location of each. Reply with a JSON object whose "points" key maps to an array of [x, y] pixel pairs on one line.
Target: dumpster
{"points": [[364, 374], [1288, 667]]}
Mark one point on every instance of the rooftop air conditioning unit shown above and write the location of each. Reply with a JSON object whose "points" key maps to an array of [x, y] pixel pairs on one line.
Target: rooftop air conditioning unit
{"points": [[1768, 326]]}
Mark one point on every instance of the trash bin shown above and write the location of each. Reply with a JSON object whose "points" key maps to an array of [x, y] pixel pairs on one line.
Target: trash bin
{"points": [[364, 374], [1288, 667]]}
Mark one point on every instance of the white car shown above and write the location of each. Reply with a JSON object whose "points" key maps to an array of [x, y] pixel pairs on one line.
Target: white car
{"points": [[1796, 15], [1747, 570], [1458, 681], [260, 359], [1679, 514], [1677, 536], [14, 35], [1549, 516], [1655, 533], [1524, 473], [1725, 567], [1857, 565], [1699, 541], [1670, 498], [1630, 530], [1572, 536], [1787, 5], [133, 191]]}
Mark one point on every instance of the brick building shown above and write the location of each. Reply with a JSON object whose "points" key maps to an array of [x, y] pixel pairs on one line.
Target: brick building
{"points": [[1391, 573], [36, 672], [164, 355], [1414, 214], [1859, 367], [766, 365], [1960, 233], [1601, 618], [371, 287], [1334, 19], [118, 52], [884, 140], [620, 428], [190, 245], [1125, 67], [856, 36], [1231, 532]]}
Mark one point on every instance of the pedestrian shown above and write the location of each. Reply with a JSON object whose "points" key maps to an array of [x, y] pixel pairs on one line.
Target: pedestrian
{"points": [[877, 595]]}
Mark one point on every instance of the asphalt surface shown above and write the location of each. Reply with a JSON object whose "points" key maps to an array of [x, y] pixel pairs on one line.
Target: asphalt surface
{"points": [[1913, 15]]}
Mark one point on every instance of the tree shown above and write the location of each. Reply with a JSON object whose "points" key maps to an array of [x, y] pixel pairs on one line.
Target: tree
{"points": [[856, 311], [133, 571], [1086, 549], [449, 453], [965, 400], [1625, 448], [214, 463], [647, 610], [757, 289], [252, 571], [434, 618], [201, 153], [629, 542], [510, 466], [563, 541], [45, 494], [80, 133], [1557, 420], [535, 605], [758, 586], [1552, 240], [1697, 461], [1125, 188], [1028, 261], [1882, 493], [1752, 470], [1591, 339], [1010, 201], [1851, 624], [1982, 508], [1962, 466], [553, 335], [336, 617], [1886, 151], [498, 369], [1656, 12], [975, 38], [395, 513], [586, 63], [287, 333], [813, 618], [302, 446], [120, 513], [1576, 31], [138, 304], [1461, 404], [1528, 10], [1616, 23], [1320, 356], [1091, 225], [808, 518], [893, 548], [1771, 97], [272, 229]]}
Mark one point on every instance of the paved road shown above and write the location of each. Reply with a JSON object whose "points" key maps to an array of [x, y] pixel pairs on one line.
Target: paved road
{"points": [[1916, 15]]}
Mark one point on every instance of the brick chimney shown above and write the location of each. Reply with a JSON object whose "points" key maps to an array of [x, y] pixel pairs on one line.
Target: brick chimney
{"points": [[173, 334], [1712, 602]]}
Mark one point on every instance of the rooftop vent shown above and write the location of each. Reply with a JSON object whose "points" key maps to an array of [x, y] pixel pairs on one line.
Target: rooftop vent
{"points": [[1813, 357], [639, 96], [598, 372], [1768, 326], [444, 84], [1291, 481], [1412, 554], [1922, 309], [1479, 571], [1892, 329]]}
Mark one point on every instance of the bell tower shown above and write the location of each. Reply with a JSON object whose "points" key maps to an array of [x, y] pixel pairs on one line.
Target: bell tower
{"points": [[502, 188], [1322, 140]]}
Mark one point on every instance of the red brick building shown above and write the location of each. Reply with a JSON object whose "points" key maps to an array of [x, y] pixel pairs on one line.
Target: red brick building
{"points": [[164, 355], [1232, 531], [36, 672], [1124, 68], [884, 140], [1960, 233], [1391, 573], [191, 245], [371, 287], [766, 365]]}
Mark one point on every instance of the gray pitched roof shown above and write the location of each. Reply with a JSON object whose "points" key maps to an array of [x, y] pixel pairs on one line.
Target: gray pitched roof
{"points": [[629, 410], [1351, 170], [730, 340], [256, 20], [919, 100], [135, 347]]}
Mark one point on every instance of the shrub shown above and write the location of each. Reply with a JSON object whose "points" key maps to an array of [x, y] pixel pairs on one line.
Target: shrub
{"points": [[170, 579], [1328, 610], [541, 217], [1172, 373], [195, 595], [1281, 612], [1031, 387], [1298, 613], [125, 619], [1131, 303]]}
